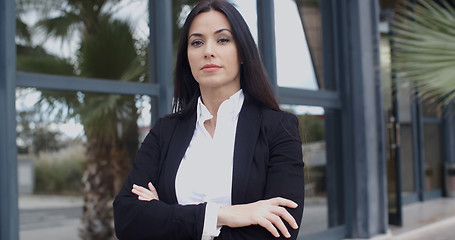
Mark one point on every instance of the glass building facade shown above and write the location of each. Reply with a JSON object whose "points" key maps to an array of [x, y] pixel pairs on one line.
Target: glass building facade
{"points": [[90, 94]]}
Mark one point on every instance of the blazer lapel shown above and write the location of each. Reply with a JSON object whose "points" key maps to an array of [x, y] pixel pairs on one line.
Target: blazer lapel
{"points": [[179, 143], [246, 136]]}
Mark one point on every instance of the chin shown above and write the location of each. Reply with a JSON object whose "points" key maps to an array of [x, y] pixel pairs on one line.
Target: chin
{"points": [[211, 83], [216, 82]]}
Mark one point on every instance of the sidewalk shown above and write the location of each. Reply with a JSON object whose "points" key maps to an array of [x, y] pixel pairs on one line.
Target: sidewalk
{"points": [[48, 201], [49, 217], [57, 217], [441, 230], [433, 220]]}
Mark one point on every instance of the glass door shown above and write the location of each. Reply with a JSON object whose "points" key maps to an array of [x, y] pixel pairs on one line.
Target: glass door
{"points": [[432, 149], [392, 134], [407, 140]]}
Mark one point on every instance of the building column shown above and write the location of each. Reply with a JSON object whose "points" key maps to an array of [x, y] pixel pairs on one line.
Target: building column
{"points": [[266, 38], [9, 224], [363, 120], [449, 132], [161, 55]]}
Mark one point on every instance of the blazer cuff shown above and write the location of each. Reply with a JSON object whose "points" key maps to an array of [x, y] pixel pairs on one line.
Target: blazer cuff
{"points": [[210, 229]]}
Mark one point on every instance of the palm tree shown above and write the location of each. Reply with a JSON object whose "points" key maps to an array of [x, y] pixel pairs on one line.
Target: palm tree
{"points": [[110, 124], [107, 50], [424, 47]]}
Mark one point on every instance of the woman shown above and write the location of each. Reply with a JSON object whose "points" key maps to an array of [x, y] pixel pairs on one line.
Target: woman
{"points": [[228, 163]]}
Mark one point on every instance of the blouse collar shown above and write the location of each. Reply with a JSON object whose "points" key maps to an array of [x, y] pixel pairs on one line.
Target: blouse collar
{"points": [[229, 108]]}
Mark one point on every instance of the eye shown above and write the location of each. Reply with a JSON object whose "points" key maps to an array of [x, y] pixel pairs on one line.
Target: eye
{"points": [[196, 43], [224, 40]]}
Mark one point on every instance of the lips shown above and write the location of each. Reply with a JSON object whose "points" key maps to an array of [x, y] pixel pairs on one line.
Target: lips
{"points": [[210, 68]]}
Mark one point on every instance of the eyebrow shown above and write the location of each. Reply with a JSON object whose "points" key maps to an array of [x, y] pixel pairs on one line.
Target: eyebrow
{"points": [[216, 32]]}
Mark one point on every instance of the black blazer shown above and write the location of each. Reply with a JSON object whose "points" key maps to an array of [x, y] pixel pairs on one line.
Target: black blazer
{"points": [[267, 163]]}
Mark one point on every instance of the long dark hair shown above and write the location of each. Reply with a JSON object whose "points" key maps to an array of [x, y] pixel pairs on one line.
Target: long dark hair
{"points": [[253, 78]]}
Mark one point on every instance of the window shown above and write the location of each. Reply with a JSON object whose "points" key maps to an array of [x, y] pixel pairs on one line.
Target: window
{"points": [[63, 139], [294, 64], [323, 180]]}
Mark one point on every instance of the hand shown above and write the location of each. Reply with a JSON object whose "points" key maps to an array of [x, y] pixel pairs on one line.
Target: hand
{"points": [[266, 213], [145, 194]]}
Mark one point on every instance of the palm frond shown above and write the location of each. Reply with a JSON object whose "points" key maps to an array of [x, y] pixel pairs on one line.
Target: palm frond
{"points": [[37, 60], [136, 71], [424, 47], [106, 117], [108, 52], [59, 27], [23, 31]]}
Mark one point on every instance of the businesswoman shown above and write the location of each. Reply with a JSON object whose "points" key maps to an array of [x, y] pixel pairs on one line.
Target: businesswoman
{"points": [[227, 164]]}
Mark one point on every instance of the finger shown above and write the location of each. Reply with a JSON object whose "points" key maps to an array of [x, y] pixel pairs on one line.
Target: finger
{"points": [[284, 214], [139, 196], [139, 188], [144, 192], [137, 192], [284, 202], [269, 226], [153, 190], [141, 192], [151, 187], [143, 199], [279, 224]]}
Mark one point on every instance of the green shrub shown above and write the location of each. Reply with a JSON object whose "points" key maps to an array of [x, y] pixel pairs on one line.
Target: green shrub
{"points": [[59, 177], [311, 128], [60, 173]]}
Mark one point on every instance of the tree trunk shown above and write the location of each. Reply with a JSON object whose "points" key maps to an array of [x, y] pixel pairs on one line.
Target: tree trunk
{"points": [[105, 171]]}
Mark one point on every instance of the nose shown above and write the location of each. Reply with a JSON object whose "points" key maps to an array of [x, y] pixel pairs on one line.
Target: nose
{"points": [[209, 50]]}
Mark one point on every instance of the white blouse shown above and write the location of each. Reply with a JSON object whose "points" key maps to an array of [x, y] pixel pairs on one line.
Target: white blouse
{"points": [[205, 173]]}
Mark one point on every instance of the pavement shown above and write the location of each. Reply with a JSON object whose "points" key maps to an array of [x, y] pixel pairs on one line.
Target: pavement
{"points": [[440, 230], [434, 220], [58, 217], [49, 217]]}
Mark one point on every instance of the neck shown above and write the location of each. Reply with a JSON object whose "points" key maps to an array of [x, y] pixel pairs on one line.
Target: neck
{"points": [[212, 98]]}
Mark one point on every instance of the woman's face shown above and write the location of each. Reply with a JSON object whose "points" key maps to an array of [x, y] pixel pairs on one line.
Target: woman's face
{"points": [[212, 52]]}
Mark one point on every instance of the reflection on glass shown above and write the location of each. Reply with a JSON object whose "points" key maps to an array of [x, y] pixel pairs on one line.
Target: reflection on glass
{"points": [[99, 39], [386, 75], [431, 109], [386, 79], [432, 136], [294, 64], [407, 160], [323, 204], [75, 150], [310, 15], [314, 154], [248, 10], [399, 130], [392, 183], [408, 182]]}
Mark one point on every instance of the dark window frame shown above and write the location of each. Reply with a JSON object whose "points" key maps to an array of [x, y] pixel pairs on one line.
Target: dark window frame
{"points": [[337, 65]]}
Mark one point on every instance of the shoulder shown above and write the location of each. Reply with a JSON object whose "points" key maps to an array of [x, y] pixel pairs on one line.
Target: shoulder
{"points": [[169, 119], [273, 117], [162, 130], [164, 125], [267, 117], [165, 121], [167, 124], [277, 124]]}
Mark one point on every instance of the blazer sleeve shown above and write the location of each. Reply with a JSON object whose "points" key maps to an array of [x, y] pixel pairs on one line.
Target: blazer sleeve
{"points": [[285, 175], [135, 219]]}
